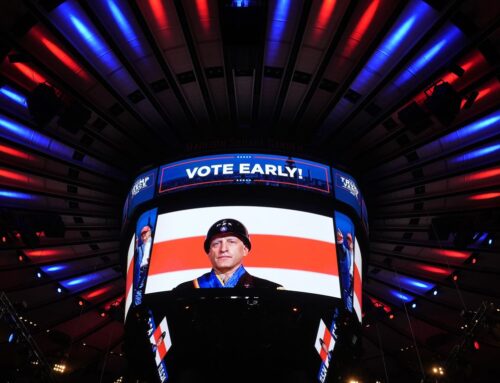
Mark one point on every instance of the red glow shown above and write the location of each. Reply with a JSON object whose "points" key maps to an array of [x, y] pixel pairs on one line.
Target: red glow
{"points": [[325, 13], [473, 61], [64, 58], [379, 304], [391, 316], [358, 32], [96, 293], [204, 14], [477, 346], [159, 12], [434, 269], [114, 303], [480, 197], [13, 152], [29, 73], [485, 174], [13, 175], [44, 252], [452, 253]]}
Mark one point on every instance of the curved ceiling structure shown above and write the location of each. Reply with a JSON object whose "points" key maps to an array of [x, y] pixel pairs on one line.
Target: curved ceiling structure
{"points": [[404, 93]]}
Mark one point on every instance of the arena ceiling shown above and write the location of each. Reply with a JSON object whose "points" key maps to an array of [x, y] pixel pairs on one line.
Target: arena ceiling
{"points": [[403, 93]]}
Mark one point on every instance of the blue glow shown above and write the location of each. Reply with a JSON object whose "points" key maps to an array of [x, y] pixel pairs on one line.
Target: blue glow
{"points": [[15, 195], [240, 3], [92, 40], [278, 25], [412, 282], [14, 96], [482, 237], [491, 120], [53, 268], [77, 281], [86, 36], [394, 40], [415, 16], [14, 128], [419, 64], [12, 335], [476, 153], [402, 296], [124, 25]]}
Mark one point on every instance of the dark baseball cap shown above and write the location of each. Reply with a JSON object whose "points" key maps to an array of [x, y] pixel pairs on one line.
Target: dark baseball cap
{"points": [[227, 226]]}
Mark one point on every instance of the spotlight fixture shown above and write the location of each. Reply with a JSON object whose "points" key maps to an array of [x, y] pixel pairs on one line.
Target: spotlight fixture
{"points": [[413, 305], [435, 292], [59, 367]]}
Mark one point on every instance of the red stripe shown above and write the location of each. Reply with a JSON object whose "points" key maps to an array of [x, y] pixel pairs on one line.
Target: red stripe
{"points": [[267, 251], [162, 349], [357, 284], [130, 274]]}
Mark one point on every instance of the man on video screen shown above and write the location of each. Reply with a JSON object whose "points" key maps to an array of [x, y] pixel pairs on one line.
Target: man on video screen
{"points": [[226, 244]]}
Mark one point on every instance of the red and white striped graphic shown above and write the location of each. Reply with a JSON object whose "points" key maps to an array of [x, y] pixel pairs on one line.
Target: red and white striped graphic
{"points": [[130, 275], [160, 339], [293, 248], [357, 280], [324, 342]]}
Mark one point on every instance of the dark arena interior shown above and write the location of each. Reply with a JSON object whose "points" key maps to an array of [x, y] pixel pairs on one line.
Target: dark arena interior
{"points": [[128, 121]]}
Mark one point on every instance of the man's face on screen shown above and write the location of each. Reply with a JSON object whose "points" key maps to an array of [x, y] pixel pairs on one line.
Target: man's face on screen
{"points": [[226, 253]]}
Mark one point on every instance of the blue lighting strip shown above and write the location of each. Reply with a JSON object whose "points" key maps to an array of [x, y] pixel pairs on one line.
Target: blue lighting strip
{"points": [[405, 298], [277, 28], [81, 32], [438, 51], [490, 122], [9, 194], [415, 18], [53, 269], [23, 135], [12, 95], [85, 281], [124, 25], [414, 285], [477, 153]]}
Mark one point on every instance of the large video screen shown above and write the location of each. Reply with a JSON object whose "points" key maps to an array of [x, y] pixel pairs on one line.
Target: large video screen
{"points": [[276, 248]]}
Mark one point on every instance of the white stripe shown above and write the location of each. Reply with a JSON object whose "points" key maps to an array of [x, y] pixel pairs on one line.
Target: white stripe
{"points": [[128, 300], [357, 257], [130, 255], [257, 219], [319, 335], [293, 280], [164, 329], [358, 262], [357, 307]]}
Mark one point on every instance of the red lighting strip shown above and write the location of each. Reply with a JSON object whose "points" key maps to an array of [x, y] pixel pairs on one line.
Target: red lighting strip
{"points": [[64, 58], [358, 32], [485, 174], [44, 253], [96, 293], [452, 253], [434, 269], [379, 304], [480, 197], [13, 175], [325, 13], [159, 13], [29, 73], [13, 152], [204, 13]]}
